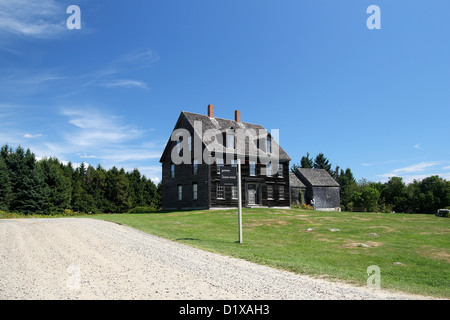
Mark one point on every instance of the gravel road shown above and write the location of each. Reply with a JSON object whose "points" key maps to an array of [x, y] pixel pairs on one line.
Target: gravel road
{"points": [[77, 258]]}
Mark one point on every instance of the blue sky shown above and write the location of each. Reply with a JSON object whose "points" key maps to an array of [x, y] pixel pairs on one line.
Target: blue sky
{"points": [[376, 101]]}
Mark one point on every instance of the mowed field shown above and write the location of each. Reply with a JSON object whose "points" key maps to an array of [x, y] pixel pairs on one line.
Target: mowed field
{"points": [[411, 250]]}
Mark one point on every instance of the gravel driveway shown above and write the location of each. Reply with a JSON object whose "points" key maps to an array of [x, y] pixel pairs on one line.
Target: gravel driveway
{"points": [[76, 258]]}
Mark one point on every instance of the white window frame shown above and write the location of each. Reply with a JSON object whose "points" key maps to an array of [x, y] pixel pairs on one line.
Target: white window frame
{"points": [[269, 169], [230, 141], [172, 170], [252, 164], [269, 145], [234, 192], [269, 192], [220, 190], [219, 162], [194, 191], [180, 192], [281, 192], [195, 167], [280, 170]]}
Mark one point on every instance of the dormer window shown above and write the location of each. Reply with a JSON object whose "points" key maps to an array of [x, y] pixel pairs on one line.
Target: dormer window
{"points": [[269, 145], [230, 141]]}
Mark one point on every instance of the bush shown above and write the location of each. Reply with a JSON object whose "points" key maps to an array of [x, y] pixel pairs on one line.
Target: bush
{"points": [[143, 210]]}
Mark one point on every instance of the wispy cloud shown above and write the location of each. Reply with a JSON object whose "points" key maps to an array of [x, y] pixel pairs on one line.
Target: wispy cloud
{"points": [[32, 136], [93, 128], [418, 147], [40, 19], [125, 83], [110, 75], [419, 167], [418, 171]]}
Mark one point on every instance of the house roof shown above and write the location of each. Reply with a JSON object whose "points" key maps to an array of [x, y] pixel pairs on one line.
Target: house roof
{"points": [[220, 124], [316, 177], [295, 181]]}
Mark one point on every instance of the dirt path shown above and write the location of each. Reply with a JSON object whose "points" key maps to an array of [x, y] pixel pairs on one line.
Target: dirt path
{"points": [[91, 259]]}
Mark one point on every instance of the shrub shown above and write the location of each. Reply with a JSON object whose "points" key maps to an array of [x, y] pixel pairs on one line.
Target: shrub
{"points": [[143, 210]]}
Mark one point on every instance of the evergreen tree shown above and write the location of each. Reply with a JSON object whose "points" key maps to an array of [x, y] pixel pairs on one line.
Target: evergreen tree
{"points": [[5, 186], [306, 161], [122, 194], [57, 183], [30, 193], [320, 162]]}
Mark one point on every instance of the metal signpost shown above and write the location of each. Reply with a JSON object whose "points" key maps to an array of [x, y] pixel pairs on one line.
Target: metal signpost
{"points": [[229, 177], [239, 200]]}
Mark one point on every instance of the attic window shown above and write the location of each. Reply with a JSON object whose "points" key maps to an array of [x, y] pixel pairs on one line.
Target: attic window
{"points": [[230, 141], [269, 145]]}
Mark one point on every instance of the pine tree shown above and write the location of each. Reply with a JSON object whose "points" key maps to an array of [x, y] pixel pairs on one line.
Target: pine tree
{"points": [[58, 184], [123, 199], [5, 186], [306, 161], [320, 162]]}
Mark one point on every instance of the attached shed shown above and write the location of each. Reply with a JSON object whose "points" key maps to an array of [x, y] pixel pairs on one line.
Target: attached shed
{"points": [[297, 189], [321, 186]]}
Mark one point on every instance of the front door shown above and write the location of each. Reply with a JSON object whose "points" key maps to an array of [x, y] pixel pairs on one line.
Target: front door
{"points": [[251, 193]]}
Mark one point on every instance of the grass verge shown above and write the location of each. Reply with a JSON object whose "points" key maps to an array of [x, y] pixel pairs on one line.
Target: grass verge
{"points": [[412, 250]]}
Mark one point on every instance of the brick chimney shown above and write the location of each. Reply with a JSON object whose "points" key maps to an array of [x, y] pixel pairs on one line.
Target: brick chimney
{"points": [[237, 116], [210, 111]]}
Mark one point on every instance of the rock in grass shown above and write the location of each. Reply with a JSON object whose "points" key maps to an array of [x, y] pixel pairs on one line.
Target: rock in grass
{"points": [[374, 234], [309, 229], [334, 230], [399, 263], [363, 245]]}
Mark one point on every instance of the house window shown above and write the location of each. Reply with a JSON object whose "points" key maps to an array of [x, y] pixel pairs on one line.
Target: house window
{"points": [[269, 145], [180, 192], [179, 146], [269, 169], [220, 191], [172, 170], [230, 141], [252, 168], [234, 192], [194, 191], [195, 167], [281, 192], [280, 169], [219, 162], [269, 192]]}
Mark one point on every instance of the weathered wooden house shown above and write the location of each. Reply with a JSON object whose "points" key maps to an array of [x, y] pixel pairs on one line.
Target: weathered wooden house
{"points": [[321, 186], [205, 144]]}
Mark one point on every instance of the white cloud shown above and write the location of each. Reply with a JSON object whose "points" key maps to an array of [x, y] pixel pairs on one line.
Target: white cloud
{"points": [[41, 19], [125, 83], [418, 171], [32, 136], [416, 167], [418, 147], [94, 128]]}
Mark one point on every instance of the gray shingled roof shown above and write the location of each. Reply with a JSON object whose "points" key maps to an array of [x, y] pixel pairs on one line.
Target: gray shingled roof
{"points": [[317, 177], [295, 181], [223, 124]]}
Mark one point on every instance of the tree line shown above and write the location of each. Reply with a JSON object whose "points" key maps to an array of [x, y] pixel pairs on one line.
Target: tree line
{"points": [[424, 196], [48, 186]]}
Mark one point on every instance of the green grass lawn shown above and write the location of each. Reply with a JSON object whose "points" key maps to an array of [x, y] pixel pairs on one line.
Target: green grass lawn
{"points": [[279, 238]]}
